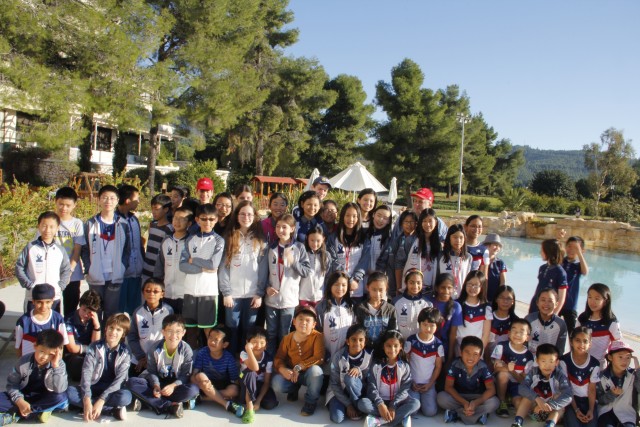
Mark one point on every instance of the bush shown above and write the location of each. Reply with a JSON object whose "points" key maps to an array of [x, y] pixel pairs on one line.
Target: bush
{"points": [[142, 174], [623, 209], [537, 203], [20, 165], [515, 199], [189, 176], [557, 205]]}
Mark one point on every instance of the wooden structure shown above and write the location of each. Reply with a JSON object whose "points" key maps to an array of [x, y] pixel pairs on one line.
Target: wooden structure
{"points": [[87, 184], [265, 185]]}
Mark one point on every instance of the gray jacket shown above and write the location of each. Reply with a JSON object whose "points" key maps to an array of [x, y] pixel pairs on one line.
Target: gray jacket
{"points": [[180, 368], [55, 379], [95, 362]]}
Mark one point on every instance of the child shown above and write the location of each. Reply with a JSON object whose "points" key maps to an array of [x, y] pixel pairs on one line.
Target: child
{"points": [[243, 272], [288, 263], [71, 237], [164, 385], [618, 383], [497, 267], [575, 266], [159, 228], [105, 257], [426, 356], [545, 390], [223, 202], [309, 206], [278, 203], [546, 327], [469, 391], [299, 359], [511, 362], [504, 313], [410, 303], [167, 267], [257, 368], [321, 264], [335, 312], [104, 374], [39, 319], [454, 258], [367, 200], [146, 323], [379, 236], [426, 249], [583, 372], [37, 383], [478, 251], [376, 314], [388, 385], [320, 187], [599, 317], [83, 328], [551, 274], [450, 310], [401, 247], [349, 369], [178, 194], [200, 259], [476, 312], [215, 371], [329, 215], [43, 261], [243, 193]]}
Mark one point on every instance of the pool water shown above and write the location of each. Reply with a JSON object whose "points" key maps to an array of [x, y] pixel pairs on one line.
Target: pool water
{"points": [[619, 271]]}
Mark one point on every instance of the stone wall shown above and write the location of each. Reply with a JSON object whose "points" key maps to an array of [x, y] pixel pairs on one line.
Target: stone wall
{"points": [[55, 172]]}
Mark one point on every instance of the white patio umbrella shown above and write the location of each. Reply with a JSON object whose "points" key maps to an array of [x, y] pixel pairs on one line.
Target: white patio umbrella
{"points": [[393, 192], [355, 178], [314, 175]]}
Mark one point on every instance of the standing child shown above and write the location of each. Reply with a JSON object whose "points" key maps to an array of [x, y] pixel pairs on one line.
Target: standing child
{"points": [[478, 251], [278, 203], [223, 202], [575, 266], [321, 264], [388, 385], [476, 311], [551, 274], [504, 313], [379, 236], [454, 258], [450, 310], [546, 327], [83, 328], [426, 249], [376, 314], [367, 200], [320, 187], [159, 228], [309, 206], [497, 267], [329, 215], [426, 357], [599, 317], [409, 305], [400, 249], [583, 372]]}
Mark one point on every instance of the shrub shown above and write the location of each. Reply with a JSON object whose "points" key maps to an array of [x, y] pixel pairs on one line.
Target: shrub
{"points": [[21, 164], [515, 199], [537, 203], [623, 209], [190, 175], [142, 174], [557, 205]]}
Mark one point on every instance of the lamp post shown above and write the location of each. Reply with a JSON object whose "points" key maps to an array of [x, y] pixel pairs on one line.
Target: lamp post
{"points": [[462, 118]]}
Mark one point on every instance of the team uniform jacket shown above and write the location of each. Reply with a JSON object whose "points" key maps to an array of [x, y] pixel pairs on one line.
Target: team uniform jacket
{"points": [[247, 273], [40, 263], [95, 363], [178, 372], [312, 286], [168, 266], [407, 310], [146, 328], [55, 379], [553, 331], [341, 364], [353, 260], [333, 321], [457, 266], [555, 390], [285, 277], [398, 385], [92, 252], [427, 265], [620, 405], [205, 251]]}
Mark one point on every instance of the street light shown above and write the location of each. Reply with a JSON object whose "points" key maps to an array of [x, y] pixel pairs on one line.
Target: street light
{"points": [[462, 118]]}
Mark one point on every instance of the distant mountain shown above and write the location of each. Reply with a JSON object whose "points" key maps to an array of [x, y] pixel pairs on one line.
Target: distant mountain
{"points": [[569, 161]]}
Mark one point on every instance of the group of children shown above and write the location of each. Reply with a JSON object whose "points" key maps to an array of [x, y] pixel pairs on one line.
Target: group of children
{"points": [[385, 318]]}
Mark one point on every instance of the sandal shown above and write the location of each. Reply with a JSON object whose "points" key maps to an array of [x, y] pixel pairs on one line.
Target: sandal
{"points": [[248, 416]]}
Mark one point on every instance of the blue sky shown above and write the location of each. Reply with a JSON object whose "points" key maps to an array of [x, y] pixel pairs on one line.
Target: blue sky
{"points": [[549, 74]]}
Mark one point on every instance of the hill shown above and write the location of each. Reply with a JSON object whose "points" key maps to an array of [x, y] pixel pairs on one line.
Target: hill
{"points": [[569, 161]]}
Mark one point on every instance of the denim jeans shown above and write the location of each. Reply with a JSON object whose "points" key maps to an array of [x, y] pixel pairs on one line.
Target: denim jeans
{"points": [[428, 404], [311, 378], [240, 313], [353, 389], [47, 401], [278, 326], [140, 388], [116, 399], [404, 409], [570, 419]]}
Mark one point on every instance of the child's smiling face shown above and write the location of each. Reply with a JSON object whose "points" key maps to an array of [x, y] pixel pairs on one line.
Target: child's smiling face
{"points": [[470, 356]]}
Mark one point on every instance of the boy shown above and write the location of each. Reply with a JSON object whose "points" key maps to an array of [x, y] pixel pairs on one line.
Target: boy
{"points": [[426, 355], [200, 259], [511, 362], [321, 186], [545, 391], [158, 230], [256, 367], [43, 261], [128, 199], [164, 385], [299, 360], [215, 371], [83, 328], [376, 314], [575, 265], [167, 266], [104, 373], [71, 238], [39, 319], [37, 383], [204, 190], [105, 257], [469, 391], [146, 323], [546, 327]]}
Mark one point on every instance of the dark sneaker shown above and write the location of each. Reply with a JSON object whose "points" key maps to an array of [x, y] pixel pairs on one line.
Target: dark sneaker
{"points": [[308, 409], [120, 413], [503, 410], [136, 405], [450, 416], [177, 410], [292, 396], [483, 419], [234, 408]]}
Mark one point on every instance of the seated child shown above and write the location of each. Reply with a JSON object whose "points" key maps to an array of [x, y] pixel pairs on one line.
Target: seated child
{"points": [[376, 314], [299, 360], [215, 371], [83, 328], [545, 390], [38, 381], [469, 391], [40, 318], [547, 327], [257, 367], [349, 369], [511, 362], [618, 383], [165, 387], [104, 374]]}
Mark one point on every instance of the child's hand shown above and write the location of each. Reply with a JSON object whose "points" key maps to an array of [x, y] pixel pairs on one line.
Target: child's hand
{"points": [[156, 391], [288, 256], [353, 285], [511, 366], [190, 260], [616, 390], [95, 320], [256, 404], [588, 416], [228, 301], [87, 410], [168, 390], [354, 372], [24, 408], [256, 302], [542, 407], [384, 412], [97, 409], [272, 291], [56, 357], [469, 408], [635, 361]]}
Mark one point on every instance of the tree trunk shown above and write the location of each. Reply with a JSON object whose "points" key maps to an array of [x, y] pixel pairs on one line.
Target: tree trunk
{"points": [[259, 155], [407, 190], [449, 190], [154, 144]]}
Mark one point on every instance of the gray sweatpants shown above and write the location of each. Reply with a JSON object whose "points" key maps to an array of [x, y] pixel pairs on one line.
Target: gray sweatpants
{"points": [[446, 401]]}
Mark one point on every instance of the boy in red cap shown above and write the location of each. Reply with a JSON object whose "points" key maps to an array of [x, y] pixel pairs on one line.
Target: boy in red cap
{"points": [[204, 188]]}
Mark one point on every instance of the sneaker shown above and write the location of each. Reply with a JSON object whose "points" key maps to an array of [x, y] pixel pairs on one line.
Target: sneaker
{"points": [[6, 419], [136, 405], [406, 422], [372, 421], [292, 396], [120, 413], [308, 409], [503, 410], [234, 408], [191, 404], [516, 425], [450, 416], [483, 419], [177, 410], [43, 417]]}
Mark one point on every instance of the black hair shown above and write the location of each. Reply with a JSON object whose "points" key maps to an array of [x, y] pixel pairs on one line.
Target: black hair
{"points": [[125, 192], [50, 338], [431, 315], [190, 204], [207, 209], [322, 252], [357, 231], [606, 313], [494, 303], [161, 199], [471, 218], [471, 341], [378, 351], [153, 281], [49, 215], [366, 191], [385, 233], [173, 319], [356, 328], [405, 214], [378, 276], [547, 349], [186, 210], [306, 196], [225, 195], [91, 299], [521, 321], [182, 190], [440, 279], [553, 251], [256, 332], [482, 297], [224, 330], [577, 239], [433, 243], [66, 193], [446, 251], [107, 189], [333, 278], [580, 330]]}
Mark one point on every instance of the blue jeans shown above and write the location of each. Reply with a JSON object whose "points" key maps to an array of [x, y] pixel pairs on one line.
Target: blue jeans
{"points": [[570, 419], [278, 326], [116, 399], [311, 378], [130, 295], [428, 404], [240, 313], [353, 388], [140, 388], [403, 410], [47, 401]]}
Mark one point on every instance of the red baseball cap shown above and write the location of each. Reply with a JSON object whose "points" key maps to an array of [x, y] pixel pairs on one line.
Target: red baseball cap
{"points": [[423, 193], [204, 184]]}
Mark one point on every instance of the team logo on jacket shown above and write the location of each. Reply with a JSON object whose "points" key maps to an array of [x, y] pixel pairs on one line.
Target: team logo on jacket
{"points": [[169, 251], [38, 258]]}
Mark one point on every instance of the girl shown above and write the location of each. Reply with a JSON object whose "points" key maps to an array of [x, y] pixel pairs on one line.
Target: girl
{"points": [[379, 236], [349, 369], [376, 314], [243, 192], [335, 312], [410, 303], [476, 312], [425, 249], [478, 251], [401, 247], [503, 308], [329, 215], [367, 200], [388, 385], [223, 203], [454, 258], [243, 272], [350, 249], [321, 265], [288, 263], [599, 317], [278, 203], [450, 310], [497, 267], [551, 274], [584, 371], [309, 205]]}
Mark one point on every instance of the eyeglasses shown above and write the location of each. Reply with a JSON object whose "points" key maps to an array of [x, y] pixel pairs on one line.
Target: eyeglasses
{"points": [[474, 286], [108, 199], [221, 206], [208, 219], [152, 291], [246, 215], [173, 331]]}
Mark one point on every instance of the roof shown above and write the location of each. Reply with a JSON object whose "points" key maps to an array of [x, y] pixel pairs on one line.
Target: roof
{"points": [[274, 179]]}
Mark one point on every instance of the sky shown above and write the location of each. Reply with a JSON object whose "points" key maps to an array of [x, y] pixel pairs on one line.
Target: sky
{"points": [[548, 74]]}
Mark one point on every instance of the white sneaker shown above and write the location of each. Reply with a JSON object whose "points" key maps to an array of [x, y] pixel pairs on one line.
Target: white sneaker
{"points": [[406, 422], [372, 421], [120, 413]]}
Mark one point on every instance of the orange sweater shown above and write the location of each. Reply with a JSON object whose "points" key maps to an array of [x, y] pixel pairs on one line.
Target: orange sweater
{"points": [[306, 353]]}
